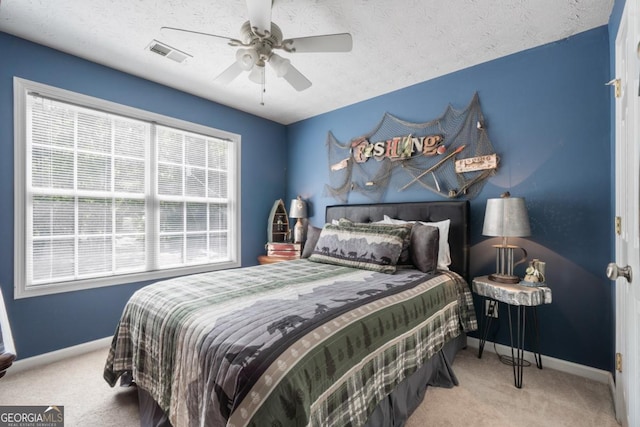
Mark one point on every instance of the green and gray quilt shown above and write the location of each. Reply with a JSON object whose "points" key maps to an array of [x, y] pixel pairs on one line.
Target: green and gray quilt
{"points": [[286, 344]]}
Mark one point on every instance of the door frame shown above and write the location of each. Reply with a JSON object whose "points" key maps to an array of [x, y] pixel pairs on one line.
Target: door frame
{"points": [[627, 131]]}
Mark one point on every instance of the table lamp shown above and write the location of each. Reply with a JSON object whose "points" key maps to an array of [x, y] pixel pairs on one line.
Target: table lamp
{"points": [[298, 210], [506, 217]]}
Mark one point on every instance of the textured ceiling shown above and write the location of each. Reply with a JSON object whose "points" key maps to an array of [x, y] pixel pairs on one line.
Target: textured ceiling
{"points": [[395, 43]]}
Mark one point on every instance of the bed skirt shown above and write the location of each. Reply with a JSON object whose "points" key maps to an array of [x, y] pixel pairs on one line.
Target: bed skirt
{"points": [[409, 394], [391, 412]]}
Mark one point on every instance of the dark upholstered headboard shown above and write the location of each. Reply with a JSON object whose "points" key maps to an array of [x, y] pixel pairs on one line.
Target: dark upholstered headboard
{"points": [[456, 211]]}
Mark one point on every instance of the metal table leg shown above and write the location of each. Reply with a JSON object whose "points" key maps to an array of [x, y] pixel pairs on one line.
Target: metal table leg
{"points": [[485, 323], [536, 330], [517, 357]]}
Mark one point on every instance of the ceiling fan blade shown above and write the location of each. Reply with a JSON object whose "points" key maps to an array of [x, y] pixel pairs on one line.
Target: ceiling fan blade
{"points": [[232, 42], [342, 42], [229, 74], [260, 16], [296, 79]]}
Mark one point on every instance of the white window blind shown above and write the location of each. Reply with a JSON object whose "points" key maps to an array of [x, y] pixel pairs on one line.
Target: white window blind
{"points": [[109, 196], [193, 195], [86, 189]]}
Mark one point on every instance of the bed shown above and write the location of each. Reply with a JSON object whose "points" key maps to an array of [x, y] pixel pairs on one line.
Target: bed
{"points": [[318, 341]]}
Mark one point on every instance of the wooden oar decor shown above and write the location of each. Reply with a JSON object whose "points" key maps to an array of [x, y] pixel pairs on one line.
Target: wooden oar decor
{"points": [[434, 167]]}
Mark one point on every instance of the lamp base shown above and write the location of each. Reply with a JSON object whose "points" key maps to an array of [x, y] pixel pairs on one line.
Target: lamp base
{"points": [[504, 278], [298, 232], [505, 264]]}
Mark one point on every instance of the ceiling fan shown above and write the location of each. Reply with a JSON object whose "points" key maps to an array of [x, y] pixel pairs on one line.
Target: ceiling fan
{"points": [[259, 37]]}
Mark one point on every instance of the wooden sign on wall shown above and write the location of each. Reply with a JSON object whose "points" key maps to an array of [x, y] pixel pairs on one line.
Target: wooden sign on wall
{"points": [[477, 163]]}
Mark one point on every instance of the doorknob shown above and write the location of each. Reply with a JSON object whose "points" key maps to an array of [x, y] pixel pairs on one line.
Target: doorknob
{"points": [[613, 272]]}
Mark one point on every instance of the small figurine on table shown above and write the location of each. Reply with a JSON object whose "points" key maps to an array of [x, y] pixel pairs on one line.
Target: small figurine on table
{"points": [[534, 274]]}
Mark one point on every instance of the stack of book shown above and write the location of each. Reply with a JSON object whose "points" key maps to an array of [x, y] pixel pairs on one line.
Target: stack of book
{"points": [[285, 250]]}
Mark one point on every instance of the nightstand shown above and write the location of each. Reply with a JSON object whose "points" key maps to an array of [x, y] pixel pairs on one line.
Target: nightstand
{"points": [[270, 259], [518, 298]]}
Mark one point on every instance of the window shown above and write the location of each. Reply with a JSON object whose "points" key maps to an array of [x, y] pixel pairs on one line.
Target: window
{"points": [[108, 194]]}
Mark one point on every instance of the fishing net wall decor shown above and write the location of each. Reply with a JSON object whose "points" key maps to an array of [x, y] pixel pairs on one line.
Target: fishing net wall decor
{"points": [[423, 154]]}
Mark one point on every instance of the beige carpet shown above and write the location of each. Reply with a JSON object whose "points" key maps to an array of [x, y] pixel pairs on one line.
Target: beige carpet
{"points": [[485, 397]]}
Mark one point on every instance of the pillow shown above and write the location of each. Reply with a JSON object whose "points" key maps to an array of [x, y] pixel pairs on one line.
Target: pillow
{"points": [[312, 238], [444, 253], [368, 248], [424, 247], [405, 256]]}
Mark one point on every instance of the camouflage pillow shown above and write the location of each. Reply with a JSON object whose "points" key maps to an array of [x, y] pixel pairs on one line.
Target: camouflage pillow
{"points": [[362, 246]]}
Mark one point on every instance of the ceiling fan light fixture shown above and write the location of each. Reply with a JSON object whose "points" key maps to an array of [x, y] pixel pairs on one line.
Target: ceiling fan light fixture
{"points": [[247, 58], [259, 37], [280, 65], [257, 75]]}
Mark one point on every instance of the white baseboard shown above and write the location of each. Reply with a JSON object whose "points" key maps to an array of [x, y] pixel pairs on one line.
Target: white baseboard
{"points": [[22, 365], [598, 375]]}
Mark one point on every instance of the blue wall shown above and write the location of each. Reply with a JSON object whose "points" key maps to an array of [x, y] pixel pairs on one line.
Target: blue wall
{"points": [[614, 24], [44, 324], [547, 112]]}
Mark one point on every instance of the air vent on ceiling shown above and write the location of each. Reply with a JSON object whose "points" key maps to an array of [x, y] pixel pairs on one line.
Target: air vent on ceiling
{"points": [[167, 51]]}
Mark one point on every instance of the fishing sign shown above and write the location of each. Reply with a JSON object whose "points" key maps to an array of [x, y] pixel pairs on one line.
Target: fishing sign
{"points": [[450, 156], [397, 148]]}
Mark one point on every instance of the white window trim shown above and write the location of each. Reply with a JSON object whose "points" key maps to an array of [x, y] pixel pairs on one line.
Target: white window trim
{"points": [[21, 87]]}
